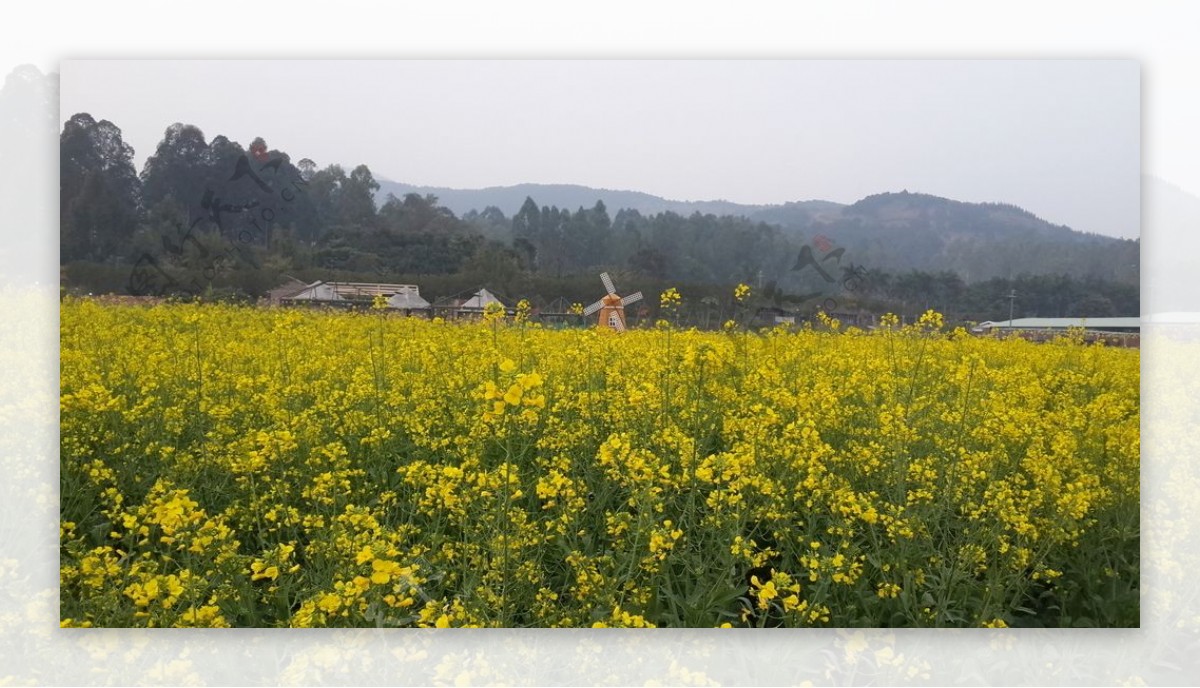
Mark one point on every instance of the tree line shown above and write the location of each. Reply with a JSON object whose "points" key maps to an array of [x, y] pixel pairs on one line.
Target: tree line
{"points": [[213, 216]]}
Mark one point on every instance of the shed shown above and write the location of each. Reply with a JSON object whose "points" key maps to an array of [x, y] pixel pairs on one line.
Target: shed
{"points": [[360, 294], [286, 290], [317, 291], [1126, 325], [408, 300], [480, 301]]}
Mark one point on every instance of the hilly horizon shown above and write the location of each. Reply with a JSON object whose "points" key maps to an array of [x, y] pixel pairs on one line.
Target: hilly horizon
{"points": [[896, 231], [344, 221], [789, 214], [509, 199]]}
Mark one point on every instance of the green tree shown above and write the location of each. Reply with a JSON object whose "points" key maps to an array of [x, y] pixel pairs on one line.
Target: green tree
{"points": [[527, 233], [416, 213], [492, 224], [356, 202], [325, 190], [496, 265], [99, 190], [177, 168]]}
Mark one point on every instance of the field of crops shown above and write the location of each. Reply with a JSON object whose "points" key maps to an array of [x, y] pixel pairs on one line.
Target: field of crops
{"points": [[226, 466]]}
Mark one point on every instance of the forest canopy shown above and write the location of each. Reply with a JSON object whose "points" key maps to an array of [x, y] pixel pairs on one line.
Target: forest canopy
{"points": [[233, 221]]}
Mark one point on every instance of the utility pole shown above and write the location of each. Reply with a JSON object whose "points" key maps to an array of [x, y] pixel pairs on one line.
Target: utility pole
{"points": [[1012, 297]]}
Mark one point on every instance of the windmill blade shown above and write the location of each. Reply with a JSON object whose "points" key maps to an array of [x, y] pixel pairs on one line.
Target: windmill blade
{"points": [[618, 324], [632, 298], [593, 308], [608, 283]]}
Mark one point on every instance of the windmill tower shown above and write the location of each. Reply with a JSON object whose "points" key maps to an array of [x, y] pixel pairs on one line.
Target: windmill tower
{"points": [[612, 306]]}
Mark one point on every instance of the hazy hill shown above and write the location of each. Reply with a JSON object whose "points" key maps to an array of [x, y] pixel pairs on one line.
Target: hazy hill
{"points": [[571, 196], [976, 240], [891, 231]]}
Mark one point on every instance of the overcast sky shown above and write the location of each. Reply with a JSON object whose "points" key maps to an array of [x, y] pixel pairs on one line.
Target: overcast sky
{"points": [[1058, 138]]}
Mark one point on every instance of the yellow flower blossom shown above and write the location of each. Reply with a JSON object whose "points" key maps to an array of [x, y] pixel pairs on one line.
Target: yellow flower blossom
{"points": [[324, 468]]}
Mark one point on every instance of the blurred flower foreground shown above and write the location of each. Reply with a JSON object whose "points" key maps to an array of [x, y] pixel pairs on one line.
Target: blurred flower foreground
{"points": [[232, 466]]}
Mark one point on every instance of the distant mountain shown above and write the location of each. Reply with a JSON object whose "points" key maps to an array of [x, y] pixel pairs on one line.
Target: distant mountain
{"points": [[895, 232], [797, 213], [571, 196], [903, 231]]}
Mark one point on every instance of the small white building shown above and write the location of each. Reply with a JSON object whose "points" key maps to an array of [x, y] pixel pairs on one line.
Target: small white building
{"points": [[1118, 325], [317, 291], [408, 299], [405, 297], [480, 301]]}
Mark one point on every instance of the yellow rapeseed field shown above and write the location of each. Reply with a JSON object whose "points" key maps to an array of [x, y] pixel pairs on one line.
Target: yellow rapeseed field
{"points": [[234, 466]]}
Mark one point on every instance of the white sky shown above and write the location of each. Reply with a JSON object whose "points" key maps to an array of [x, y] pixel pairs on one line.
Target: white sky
{"points": [[1059, 138]]}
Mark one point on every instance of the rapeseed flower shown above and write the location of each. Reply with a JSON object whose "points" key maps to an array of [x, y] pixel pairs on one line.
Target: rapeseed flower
{"points": [[227, 466]]}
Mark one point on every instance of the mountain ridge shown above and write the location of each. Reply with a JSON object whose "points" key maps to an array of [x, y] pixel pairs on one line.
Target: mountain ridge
{"points": [[789, 214], [509, 199], [897, 231]]}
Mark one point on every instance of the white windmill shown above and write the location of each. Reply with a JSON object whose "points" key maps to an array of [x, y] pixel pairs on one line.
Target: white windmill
{"points": [[612, 306]]}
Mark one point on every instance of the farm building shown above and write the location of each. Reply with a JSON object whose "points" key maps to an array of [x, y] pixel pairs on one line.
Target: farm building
{"points": [[1112, 331], [1115, 325], [854, 318], [288, 289], [408, 300], [317, 291], [480, 301], [558, 314], [456, 306], [405, 297], [770, 316]]}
